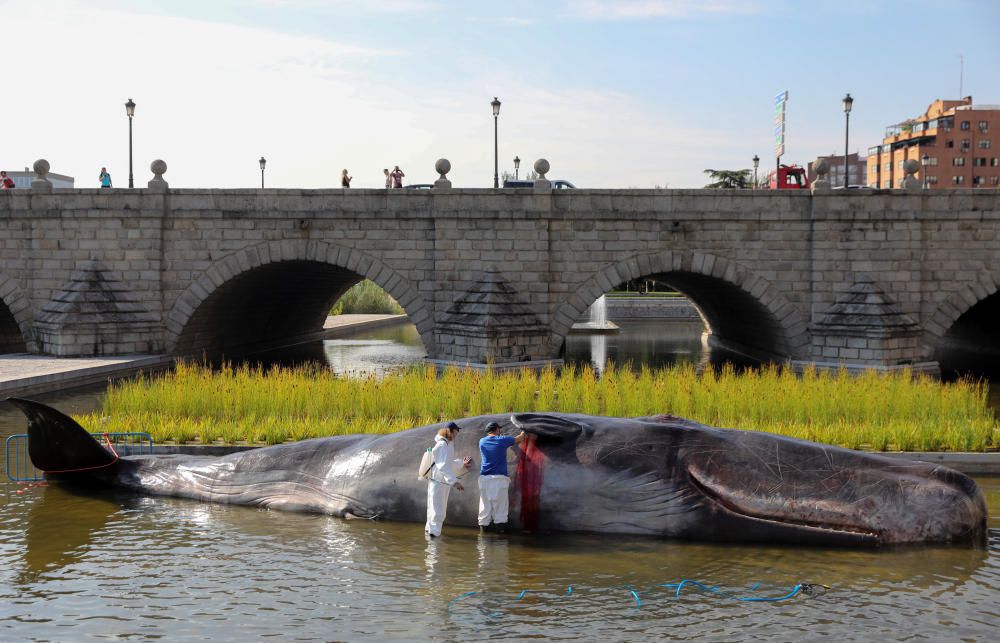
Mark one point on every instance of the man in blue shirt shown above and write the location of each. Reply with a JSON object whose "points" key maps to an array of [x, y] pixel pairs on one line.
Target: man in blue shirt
{"points": [[493, 479]]}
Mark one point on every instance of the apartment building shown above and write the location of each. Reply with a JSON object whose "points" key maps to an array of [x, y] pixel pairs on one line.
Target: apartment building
{"points": [[952, 141]]}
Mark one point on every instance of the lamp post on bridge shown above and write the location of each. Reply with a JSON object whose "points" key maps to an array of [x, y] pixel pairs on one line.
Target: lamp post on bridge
{"points": [[263, 162], [496, 166], [756, 162], [130, 111], [517, 164], [848, 102]]}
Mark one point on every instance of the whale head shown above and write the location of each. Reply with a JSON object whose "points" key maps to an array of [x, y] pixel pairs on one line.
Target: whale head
{"points": [[669, 476]]}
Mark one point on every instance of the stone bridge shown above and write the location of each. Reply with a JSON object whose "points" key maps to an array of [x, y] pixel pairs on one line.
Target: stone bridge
{"points": [[864, 278]]}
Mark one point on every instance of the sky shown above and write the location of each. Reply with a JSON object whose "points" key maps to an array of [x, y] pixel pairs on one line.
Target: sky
{"points": [[614, 93]]}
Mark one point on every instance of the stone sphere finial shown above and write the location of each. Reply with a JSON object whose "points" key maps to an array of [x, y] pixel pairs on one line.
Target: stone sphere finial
{"points": [[442, 167], [542, 167], [41, 183], [910, 182], [821, 166], [41, 168], [157, 183]]}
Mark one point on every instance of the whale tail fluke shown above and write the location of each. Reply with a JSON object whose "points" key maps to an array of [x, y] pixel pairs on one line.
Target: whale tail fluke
{"points": [[57, 444]]}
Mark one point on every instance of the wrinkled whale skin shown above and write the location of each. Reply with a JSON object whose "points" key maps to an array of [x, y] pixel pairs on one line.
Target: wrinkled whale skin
{"points": [[658, 476]]}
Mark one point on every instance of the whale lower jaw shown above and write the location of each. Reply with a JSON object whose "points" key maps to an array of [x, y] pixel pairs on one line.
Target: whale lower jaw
{"points": [[790, 529]]}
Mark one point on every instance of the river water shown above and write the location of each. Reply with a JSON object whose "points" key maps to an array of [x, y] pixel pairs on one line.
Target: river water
{"points": [[111, 565]]}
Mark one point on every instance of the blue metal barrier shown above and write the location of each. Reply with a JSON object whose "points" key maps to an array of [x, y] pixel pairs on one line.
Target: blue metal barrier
{"points": [[20, 468]]}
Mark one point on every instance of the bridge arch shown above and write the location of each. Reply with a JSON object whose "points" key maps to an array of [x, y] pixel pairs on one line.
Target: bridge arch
{"points": [[15, 319], [309, 277], [966, 322], [737, 304]]}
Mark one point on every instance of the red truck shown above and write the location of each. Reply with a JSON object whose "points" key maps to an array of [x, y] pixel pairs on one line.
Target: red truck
{"points": [[788, 177]]}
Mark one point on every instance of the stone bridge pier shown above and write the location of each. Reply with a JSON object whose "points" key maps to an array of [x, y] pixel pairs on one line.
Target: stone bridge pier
{"points": [[860, 278]]}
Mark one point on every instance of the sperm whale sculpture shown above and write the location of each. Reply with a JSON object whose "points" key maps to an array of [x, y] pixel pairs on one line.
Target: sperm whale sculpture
{"points": [[657, 476]]}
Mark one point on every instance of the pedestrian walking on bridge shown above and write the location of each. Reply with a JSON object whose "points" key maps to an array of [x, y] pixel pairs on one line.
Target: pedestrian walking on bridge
{"points": [[397, 177], [105, 178]]}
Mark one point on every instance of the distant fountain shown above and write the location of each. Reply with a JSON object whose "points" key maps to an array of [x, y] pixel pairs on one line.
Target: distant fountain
{"points": [[596, 319], [599, 311]]}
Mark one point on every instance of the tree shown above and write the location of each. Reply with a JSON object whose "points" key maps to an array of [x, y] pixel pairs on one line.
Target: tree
{"points": [[734, 179]]}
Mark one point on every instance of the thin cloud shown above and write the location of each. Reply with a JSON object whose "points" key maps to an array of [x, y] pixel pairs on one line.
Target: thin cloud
{"points": [[642, 9], [507, 20], [379, 6]]}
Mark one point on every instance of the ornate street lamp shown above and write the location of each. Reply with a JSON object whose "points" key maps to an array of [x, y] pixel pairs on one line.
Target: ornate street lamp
{"points": [[263, 162], [517, 164], [496, 168], [756, 162], [130, 111], [848, 102], [924, 162]]}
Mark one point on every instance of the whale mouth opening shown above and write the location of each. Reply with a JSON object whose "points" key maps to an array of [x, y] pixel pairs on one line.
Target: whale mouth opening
{"points": [[851, 534]]}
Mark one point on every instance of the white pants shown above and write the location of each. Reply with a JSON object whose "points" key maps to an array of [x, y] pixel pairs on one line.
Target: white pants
{"points": [[437, 506], [493, 499]]}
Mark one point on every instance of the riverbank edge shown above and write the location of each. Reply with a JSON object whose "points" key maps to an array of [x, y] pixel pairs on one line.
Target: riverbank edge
{"points": [[124, 366], [72, 378], [968, 463]]}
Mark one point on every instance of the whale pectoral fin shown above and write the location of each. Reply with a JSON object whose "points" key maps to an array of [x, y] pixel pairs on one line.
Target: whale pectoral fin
{"points": [[359, 514], [547, 426]]}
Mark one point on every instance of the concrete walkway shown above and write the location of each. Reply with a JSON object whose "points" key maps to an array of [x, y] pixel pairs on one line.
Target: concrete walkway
{"points": [[339, 324], [27, 374]]}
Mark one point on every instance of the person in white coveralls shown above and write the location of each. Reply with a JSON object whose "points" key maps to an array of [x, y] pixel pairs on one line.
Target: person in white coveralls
{"points": [[443, 476]]}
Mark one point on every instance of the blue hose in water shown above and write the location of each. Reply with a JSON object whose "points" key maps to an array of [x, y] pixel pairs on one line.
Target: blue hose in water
{"points": [[458, 598], [808, 589], [748, 599]]}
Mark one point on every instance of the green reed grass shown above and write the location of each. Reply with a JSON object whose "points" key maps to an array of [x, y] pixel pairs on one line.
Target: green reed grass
{"points": [[872, 410]]}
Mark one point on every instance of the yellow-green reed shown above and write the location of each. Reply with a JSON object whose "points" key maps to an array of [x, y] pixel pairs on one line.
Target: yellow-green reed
{"points": [[872, 410]]}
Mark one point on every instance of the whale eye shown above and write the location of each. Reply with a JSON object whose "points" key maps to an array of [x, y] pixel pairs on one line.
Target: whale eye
{"points": [[547, 426]]}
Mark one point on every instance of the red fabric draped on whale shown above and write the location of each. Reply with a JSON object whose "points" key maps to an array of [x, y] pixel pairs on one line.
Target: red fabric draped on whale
{"points": [[530, 471]]}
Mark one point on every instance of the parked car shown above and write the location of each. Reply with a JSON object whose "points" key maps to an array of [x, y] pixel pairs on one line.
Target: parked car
{"points": [[419, 186], [557, 184]]}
